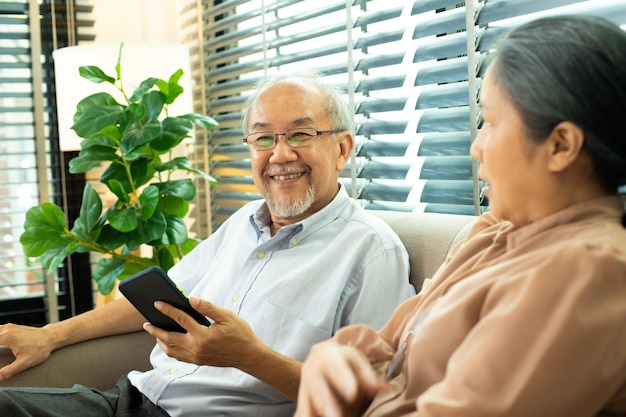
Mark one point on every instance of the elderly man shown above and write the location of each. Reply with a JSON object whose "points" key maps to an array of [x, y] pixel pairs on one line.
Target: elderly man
{"points": [[280, 275]]}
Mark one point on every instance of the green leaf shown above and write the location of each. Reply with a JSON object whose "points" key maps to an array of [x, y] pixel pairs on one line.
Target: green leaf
{"points": [[95, 74], [147, 231], [47, 214], [44, 227], [123, 219], [140, 152], [132, 268], [134, 113], [153, 101], [139, 136], [55, 256], [178, 188], [85, 226], [173, 205], [182, 163], [118, 65], [173, 164], [106, 272], [92, 154], [165, 259], [203, 174], [95, 100], [171, 88], [139, 169], [95, 119], [174, 130], [141, 90], [176, 251], [175, 232], [117, 188], [148, 200], [111, 239], [200, 120]]}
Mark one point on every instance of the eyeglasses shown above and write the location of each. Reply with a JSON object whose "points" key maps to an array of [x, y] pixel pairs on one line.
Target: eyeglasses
{"points": [[296, 138]]}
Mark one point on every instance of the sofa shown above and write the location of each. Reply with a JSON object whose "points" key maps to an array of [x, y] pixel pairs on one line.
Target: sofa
{"points": [[99, 363]]}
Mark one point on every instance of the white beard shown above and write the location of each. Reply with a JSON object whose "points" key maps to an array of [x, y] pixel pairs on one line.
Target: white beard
{"points": [[291, 208]]}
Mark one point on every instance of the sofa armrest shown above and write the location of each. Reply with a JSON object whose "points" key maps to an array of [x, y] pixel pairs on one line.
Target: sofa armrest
{"points": [[95, 363]]}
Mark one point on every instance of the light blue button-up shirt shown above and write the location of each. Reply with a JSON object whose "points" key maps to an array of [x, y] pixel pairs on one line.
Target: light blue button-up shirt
{"points": [[339, 266]]}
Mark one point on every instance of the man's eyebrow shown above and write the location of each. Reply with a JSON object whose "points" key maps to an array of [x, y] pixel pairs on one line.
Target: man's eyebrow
{"points": [[256, 126], [295, 123], [302, 121]]}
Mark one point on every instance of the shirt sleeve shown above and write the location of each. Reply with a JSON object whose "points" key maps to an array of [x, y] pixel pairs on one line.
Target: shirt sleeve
{"points": [[378, 287], [548, 343]]}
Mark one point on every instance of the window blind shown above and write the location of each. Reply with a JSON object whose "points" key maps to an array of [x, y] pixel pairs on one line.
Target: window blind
{"points": [[414, 87], [31, 166]]}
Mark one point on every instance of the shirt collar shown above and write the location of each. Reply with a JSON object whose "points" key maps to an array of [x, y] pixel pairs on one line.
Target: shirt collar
{"points": [[607, 207], [261, 219]]}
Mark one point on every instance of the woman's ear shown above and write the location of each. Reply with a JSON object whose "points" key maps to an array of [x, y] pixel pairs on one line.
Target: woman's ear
{"points": [[565, 146], [346, 145]]}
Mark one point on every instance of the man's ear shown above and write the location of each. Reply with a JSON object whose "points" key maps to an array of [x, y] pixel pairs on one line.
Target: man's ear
{"points": [[565, 145], [346, 145]]}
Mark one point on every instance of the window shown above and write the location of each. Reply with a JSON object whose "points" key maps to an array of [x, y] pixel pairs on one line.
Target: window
{"points": [[403, 64], [32, 169]]}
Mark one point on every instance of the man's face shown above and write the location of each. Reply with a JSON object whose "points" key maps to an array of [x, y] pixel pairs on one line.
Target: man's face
{"points": [[296, 182]]}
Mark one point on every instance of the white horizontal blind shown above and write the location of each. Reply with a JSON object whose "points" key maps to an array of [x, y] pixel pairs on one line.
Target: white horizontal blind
{"points": [[414, 86], [30, 170]]}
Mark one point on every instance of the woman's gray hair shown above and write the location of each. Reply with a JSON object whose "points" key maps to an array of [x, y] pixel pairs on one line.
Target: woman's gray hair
{"points": [[338, 111], [570, 68]]}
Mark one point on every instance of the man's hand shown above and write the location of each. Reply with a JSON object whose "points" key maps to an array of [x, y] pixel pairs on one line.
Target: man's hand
{"points": [[337, 380], [229, 341], [29, 345]]}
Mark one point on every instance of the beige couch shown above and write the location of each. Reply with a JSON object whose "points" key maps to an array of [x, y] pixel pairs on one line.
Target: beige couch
{"points": [[98, 363]]}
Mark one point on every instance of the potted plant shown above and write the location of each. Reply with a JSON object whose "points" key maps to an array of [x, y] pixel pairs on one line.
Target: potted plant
{"points": [[134, 140]]}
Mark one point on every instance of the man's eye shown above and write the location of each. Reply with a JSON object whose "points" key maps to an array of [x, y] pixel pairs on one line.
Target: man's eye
{"points": [[299, 137], [264, 141]]}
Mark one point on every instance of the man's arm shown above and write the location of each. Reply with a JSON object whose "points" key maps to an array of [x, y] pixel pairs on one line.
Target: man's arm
{"points": [[32, 346], [228, 342]]}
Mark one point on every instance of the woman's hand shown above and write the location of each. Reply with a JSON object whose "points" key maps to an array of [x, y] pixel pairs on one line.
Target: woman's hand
{"points": [[336, 380]]}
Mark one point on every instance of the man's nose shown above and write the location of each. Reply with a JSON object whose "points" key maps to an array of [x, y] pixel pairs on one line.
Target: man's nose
{"points": [[282, 150]]}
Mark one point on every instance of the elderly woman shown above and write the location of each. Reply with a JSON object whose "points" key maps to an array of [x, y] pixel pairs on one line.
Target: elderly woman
{"points": [[527, 316]]}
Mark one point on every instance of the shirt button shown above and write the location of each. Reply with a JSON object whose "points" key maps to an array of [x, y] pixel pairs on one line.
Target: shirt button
{"points": [[260, 255], [293, 241], [173, 371], [236, 297]]}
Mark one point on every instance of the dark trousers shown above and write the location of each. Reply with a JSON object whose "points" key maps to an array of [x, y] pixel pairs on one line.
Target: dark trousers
{"points": [[123, 400]]}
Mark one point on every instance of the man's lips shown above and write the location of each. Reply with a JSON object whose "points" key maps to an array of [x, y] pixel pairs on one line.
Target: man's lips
{"points": [[283, 177], [286, 173]]}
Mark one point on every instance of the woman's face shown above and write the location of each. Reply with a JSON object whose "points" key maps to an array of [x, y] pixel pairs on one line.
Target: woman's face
{"points": [[510, 163]]}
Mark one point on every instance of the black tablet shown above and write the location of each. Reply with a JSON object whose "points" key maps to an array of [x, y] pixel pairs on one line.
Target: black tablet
{"points": [[153, 284]]}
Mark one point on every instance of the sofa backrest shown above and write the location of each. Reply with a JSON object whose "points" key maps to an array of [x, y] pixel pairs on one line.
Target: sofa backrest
{"points": [[427, 237]]}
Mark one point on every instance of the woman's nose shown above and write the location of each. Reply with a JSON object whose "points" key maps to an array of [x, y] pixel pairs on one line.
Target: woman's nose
{"points": [[476, 148]]}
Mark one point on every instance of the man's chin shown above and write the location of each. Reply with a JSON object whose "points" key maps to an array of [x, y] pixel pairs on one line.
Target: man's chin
{"points": [[288, 210]]}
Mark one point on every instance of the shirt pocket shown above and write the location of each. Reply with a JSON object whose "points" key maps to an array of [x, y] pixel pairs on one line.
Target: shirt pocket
{"points": [[284, 332]]}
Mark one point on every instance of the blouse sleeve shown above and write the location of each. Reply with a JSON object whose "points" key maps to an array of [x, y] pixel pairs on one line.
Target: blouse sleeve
{"points": [[548, 343]]}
